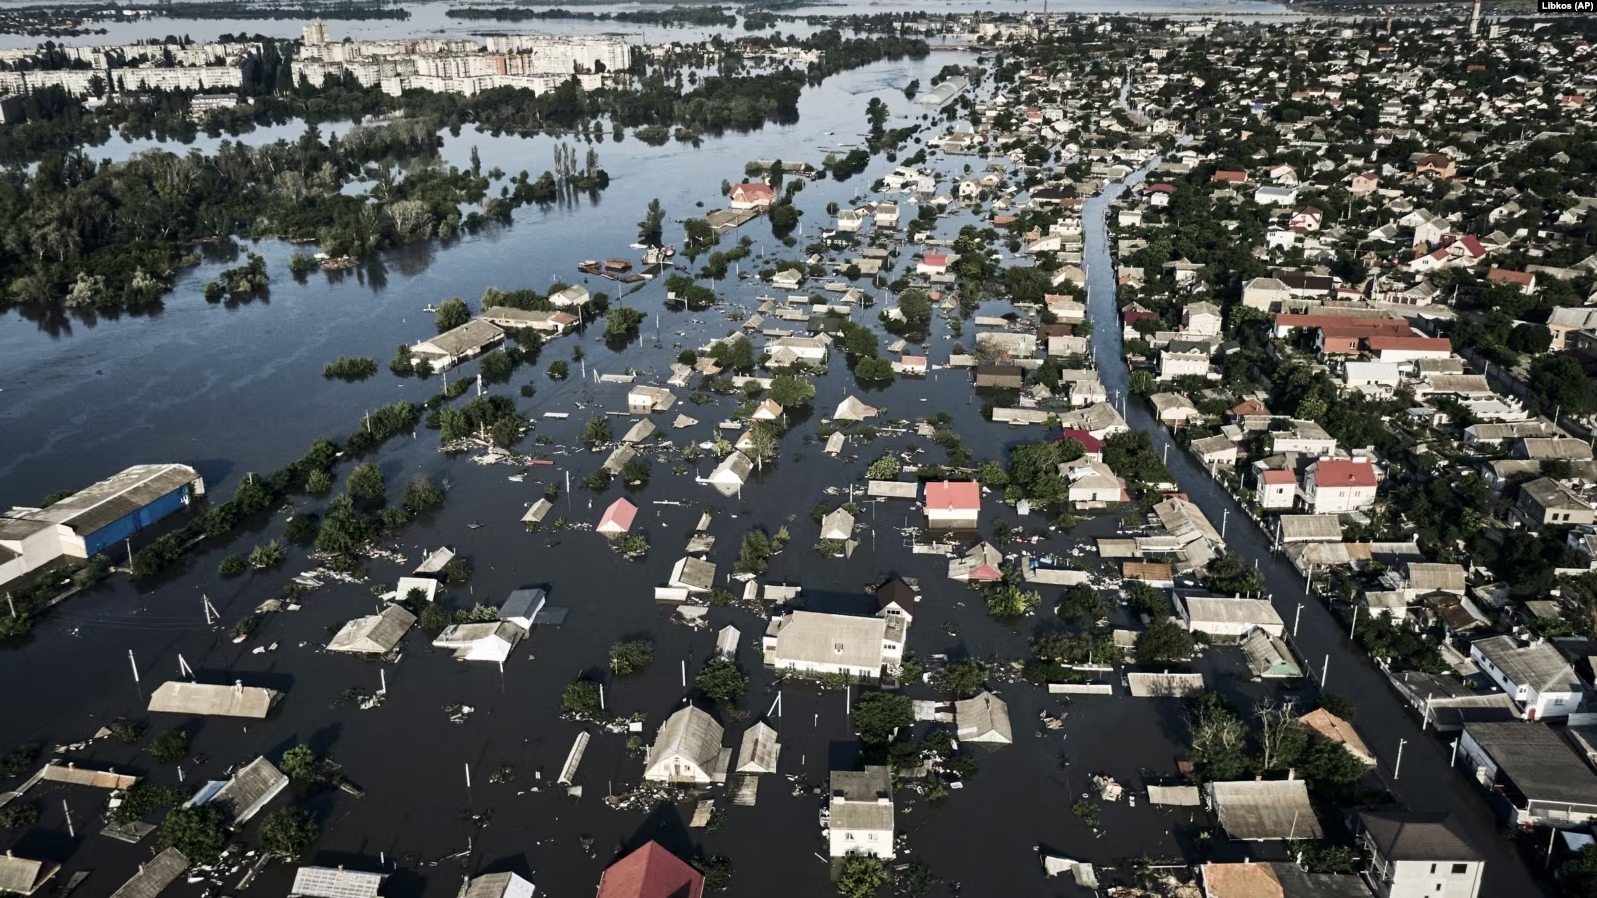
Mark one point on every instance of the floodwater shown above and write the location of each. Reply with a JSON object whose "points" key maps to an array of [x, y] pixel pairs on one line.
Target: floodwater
{"points": [[431, 19]]}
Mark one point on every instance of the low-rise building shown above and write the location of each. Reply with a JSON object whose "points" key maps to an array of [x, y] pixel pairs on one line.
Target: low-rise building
{"points": [[1334, 486], [814, 643], [860, 815], [687, 751], [1418, 856], [1533, 769], [953, 504], [1548, 502], [1227, 618], [1535, 676]]}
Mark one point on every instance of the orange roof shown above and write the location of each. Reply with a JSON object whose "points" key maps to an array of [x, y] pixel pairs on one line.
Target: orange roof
{"points": [[1522, 278], [1379, 343], [936, 259], [1241, 881], [753, 191], [651, 872], [1393, 325], [618, 517], [912, 360], [954, 495], [1325, 725], [1235, 177], [1250, 407], [1342, 472], [1146, 570], [1278, 477]]}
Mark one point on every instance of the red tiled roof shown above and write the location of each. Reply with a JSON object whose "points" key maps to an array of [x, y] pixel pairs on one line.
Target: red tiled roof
{"points": [[753, 191], [1235, 177], [960, 495], [1250, 407], [618, 517], [1277, 478], [1162, 188], [1522, 278], [936, 259], [1246, 880], [1088, 442], [1343, 322], [651, 872], [1341, 472]]}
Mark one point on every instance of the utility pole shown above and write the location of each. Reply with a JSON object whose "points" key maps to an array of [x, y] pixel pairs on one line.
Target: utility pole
{"points": [[1325, 670], [135, 663], [1297, 619], [1355, 625], [1398, 767]]}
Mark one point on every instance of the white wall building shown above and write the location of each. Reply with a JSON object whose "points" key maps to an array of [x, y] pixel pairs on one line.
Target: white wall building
{"points": [[815, 643], [860, 817], [1536, 676]]}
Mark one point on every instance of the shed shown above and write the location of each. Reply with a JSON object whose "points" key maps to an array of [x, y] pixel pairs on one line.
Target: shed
{"points": [[541, 508], [726, 642], [334, 882], [759, 750], [427, 585], [834, 443], [435, 561], [851, 409], [154, 876], [204, 699], [891, 489], [1268, 656], [1309, 528], [374, 634], [1164, 685], [1264, 810], [687, 750], [637, 433], [487, 641], [618, 458], [983, 718], [1175, 796]]}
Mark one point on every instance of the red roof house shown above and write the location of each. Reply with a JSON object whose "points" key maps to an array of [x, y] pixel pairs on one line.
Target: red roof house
{"points": [[953, 502], [617, 518], [1090, 443], [651, 872], [752, 196], [933, 263]]}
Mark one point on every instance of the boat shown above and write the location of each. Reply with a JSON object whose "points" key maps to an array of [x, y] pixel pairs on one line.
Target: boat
{"points": [[590, 266], [638, 246], [618, 266]]}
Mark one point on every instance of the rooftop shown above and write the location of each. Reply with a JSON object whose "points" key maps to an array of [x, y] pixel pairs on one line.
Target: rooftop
{"points": [[1254, 810], [1538, 761], [1403, 836], [89, 509], [1537, 665]]}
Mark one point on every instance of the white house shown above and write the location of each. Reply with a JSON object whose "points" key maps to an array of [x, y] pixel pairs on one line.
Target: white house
{"points": [[1379, 376], [887, 215], [730, 475], [1334, 486], [1093, 484], [1201, 319], [1264, 293], [860, 816], [850, 221], [1535, 676], [1418, 856], [953, 504], [933, 263], [1181, 364], [688, 751], [1276, 196], [1277, 489], [815, 643], [1228, 618], [491, 641]]}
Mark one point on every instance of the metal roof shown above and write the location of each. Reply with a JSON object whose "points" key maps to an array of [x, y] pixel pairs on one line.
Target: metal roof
{"points": [[1254, 810], [469, 337], [1201, 609], [1432, 576], [1537, 665], [690, 734], [334, 882], [173, 697], [759, 750], [89, 509], [23, 875], [984, 718], [1541, 765], [1164, 685], [1403, 836], [497, 885], [249, 790]]}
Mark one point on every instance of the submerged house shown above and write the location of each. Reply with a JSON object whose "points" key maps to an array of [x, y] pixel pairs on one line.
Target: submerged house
{"points": [[457, 345], [860, 819], [759, 750], [374, 634], [651, 872], [815, 643], [205, 699], [490, 641], [730, 475], [245, 794], [688, 751], [983, 718]]}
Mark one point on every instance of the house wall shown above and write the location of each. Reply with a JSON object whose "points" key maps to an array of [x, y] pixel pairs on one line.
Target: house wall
{"points": [[862, 841], [125, 526], [822, 668], [1427, 879], [1336, 499], [1277, 495]]}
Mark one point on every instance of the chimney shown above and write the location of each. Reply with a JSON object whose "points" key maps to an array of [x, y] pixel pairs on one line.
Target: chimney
{"points": [[1291, 774]]}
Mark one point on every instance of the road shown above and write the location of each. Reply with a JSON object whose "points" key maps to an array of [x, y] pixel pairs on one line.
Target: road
{"points": [[1427, 783]]}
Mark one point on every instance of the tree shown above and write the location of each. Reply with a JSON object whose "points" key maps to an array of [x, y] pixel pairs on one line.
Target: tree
{"points": [[791, 392], [862, 877], [878, 714], [1281, 738], [597, 432], [319, 483], [582, 698], [915, 306], [1559, 385], [288, 833], [558, 370], [627, 658], [1081, 604], [269, 555], [873, 370], [884, 468], [497, 366], [301, 763], [1329, 765], [198, 832], [1580, 873], [1163, 642], [1142, 383], [1219, 739], [1339, 705], [961, 680], [170, 747], [421, 494], [649, 229], [635, 471], [344, 531], [1005, 600], [451, 313], [365, 482], [1230, 574], [622, 321], [1145, 599], [721, 681]]}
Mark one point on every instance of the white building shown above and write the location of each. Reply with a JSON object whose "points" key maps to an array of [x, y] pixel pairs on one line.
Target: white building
{"points": [[688, 751], [1535, 676], [1335, 486], [1228, 618], [1418, 856], [860, 818], [811, 642], [491, 641], [1183, 364], [1277, 489]]}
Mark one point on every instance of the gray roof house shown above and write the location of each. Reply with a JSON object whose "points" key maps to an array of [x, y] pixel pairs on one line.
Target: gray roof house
{"points": [[759, 750], [454, 346], [22, 876], [498, 885], [1536, 676], [243, 796], [154, 875], [334, 882], [1534, 769], [374, 634], [237, 700], [1418, 854], [1261, 810], [522, 607], [983, 718], [860, 819], [688, 750]]}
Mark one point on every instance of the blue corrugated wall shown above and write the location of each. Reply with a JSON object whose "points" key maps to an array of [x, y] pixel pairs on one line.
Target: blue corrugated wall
{"points": [[134, 521]]}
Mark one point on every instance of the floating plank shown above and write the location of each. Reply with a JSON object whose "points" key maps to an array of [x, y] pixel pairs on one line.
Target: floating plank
{"points": [[745, 789], [701, 814], [573, 758]]}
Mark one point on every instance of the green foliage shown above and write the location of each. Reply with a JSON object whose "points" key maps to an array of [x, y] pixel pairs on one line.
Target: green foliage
{"points": [[1034, 472], [597, 432], [451, 313], [497, 366], [170, 747], [433, 619], [961, 680], [1163, 642], [628, 658], [127, 732], [755, 553], [1142, 598], [357, 368], [721, 681], [558, 370], [862, 876], [1142, 383], [717, 872], [1130, 454], [1083, 605], [145, 798], [19, 815], [233, 565], [871, 370], [1006, 600], [1559, 384], [268, 555], [301, 764], [422, 495], [1230, 574], [878, 714], [630, 545], [1086, 810], [365, 482], [582, 698], [1339, 705], [198, 832], [319, 483], [884, 468], [635, 472], [344, 531], [246, 627], [1579, 873], [622, 321], [288, 833], [915, 305], [1219, 739], [1329, 765]]}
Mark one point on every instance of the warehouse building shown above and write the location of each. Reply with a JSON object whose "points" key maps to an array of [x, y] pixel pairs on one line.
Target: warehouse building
{"points": [[95, 519]]}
